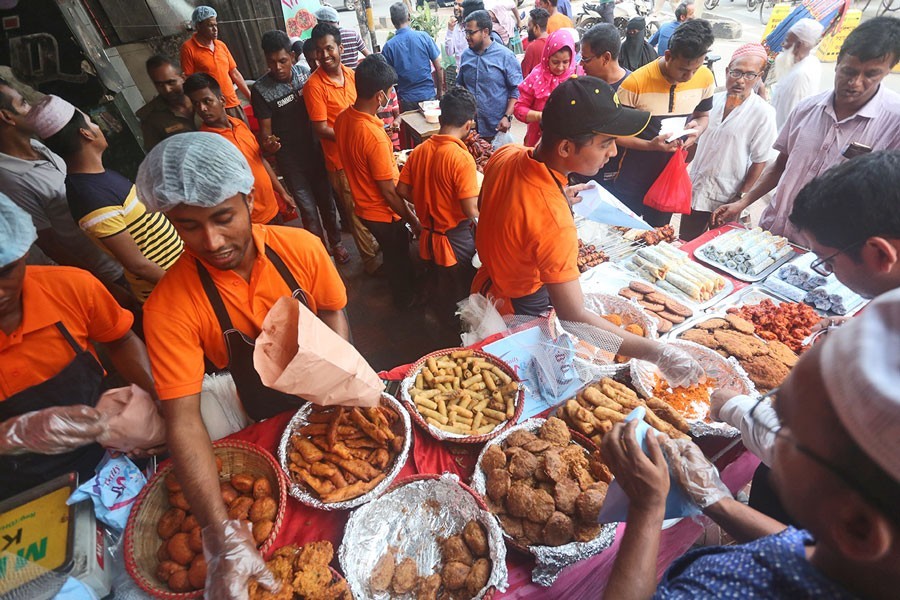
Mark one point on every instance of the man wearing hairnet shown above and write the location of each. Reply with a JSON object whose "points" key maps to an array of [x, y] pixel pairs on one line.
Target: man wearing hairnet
{"points": [[835, 467], [209, 308], [797, 70], [50, 376]]}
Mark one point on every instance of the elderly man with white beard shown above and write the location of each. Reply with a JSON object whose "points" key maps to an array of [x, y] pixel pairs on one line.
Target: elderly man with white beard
{"points": [[797, 70]]}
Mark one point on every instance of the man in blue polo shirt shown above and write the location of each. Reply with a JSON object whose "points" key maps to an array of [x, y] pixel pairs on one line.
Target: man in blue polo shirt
{"points": [[413, 54]]}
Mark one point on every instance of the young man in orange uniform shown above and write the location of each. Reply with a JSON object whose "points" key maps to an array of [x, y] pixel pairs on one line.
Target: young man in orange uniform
{"points": [[331, 89], [205, 53], [210, 307], [204, 92], [368, 157], [526, 237], [440, 179]]}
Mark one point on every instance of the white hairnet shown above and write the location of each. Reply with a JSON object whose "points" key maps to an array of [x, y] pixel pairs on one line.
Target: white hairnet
{"points": [[17, 231], [807, 31], [202, 13], [197, 168], [861, 370]]}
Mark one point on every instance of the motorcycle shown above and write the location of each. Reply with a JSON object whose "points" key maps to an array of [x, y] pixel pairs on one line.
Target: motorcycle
{"points": [[623, 12]]}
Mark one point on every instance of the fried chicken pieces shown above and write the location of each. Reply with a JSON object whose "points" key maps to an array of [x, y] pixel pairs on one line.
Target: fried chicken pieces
{"points": [[542, 508], [304, 574], [465, 571], [789, 322]]}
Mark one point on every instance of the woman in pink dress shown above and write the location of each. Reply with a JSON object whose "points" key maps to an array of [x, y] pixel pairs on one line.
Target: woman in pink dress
{"points": [[557, 64]]}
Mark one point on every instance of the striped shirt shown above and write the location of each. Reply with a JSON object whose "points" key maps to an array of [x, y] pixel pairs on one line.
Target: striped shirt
{"points": [[353, 45], [105, 204]]}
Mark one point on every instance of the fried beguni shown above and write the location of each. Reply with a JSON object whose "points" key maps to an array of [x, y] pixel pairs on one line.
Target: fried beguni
{"points": [[383, 572], [455, 549], [477, 577], [494, 458], [498, 482], [565, 494], [454, 575], [406, 576], [556, 432], [522, 463], [558, 530], [476, 538]]}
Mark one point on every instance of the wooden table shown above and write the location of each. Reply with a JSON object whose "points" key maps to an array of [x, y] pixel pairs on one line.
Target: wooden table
{"points": [[414, 129]]}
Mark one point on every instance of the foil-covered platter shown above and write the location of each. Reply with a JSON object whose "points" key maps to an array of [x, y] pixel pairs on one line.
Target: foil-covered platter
{"points": [[415, 373], [549, 560], [304, 494], [630, 311], [414, 517], [726, 372]]}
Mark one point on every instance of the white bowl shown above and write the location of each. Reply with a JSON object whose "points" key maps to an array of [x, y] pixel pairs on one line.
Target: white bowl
{"points": [[432, 115]]}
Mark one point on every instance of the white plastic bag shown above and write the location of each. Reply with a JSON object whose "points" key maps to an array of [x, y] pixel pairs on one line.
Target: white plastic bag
{"points": [[501, 139], [480, 319]]}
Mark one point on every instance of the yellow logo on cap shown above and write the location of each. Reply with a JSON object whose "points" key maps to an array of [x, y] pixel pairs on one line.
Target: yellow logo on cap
{"points": [[616, 98]]}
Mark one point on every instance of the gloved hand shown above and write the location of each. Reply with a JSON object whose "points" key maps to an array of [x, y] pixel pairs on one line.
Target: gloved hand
{"points": [[232, 560], [54, 430], [698, 477], [677, 366]]}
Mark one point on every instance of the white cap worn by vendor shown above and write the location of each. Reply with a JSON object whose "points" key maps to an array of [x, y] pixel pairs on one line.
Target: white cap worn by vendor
{"points": [[861, 369], [202, 13], [808, 31], [49, 116], [197, 168], [17, 231]]}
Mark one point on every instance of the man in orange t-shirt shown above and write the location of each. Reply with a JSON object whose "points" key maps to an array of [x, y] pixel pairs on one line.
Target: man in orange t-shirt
{"points": [[210, 306], [557, 20], [208, 102], [329, 91], [526, 237], [441, 180], [368, 157], [205, 53]]}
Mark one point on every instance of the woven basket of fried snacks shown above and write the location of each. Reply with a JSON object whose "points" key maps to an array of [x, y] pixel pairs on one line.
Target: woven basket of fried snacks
{"points": [[429, 536], [546, 485], [693, 402], [338, 457], [463, 395]]}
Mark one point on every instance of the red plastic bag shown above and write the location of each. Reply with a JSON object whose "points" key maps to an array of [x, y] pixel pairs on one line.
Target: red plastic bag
{"points": [[671, 192]]}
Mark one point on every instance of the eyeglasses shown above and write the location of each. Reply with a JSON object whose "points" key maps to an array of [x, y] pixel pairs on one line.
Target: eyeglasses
{"points": [[586, 59], [748, 75], [471, 32], [846, 478], [824, 267]]}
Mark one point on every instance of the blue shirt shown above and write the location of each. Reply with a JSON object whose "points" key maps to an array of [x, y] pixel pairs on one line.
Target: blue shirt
{"points": [[660, 39], [410, 52], [771, 567], [493, 77], [565, 8]]}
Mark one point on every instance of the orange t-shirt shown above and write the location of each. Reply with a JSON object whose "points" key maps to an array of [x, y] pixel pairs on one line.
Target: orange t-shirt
{"points": [[526, 234], [265, 206], [37, 351], [325, 100], [368, 156], [181, 326], [441, 173], [558, 21], [197, 58]]}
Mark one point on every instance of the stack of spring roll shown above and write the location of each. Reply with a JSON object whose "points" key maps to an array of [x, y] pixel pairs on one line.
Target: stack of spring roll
{"points": [[750, 252], [672, 270], [798, 283]]}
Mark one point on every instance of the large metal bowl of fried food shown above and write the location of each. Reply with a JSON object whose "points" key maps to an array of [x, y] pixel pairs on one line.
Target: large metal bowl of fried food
{"points": [[339, 457], [546, 486], [463, 395], [303, 572]]}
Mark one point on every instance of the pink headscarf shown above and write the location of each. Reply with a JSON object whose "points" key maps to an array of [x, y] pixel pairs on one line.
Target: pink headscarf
{"points": [[541, 80]]}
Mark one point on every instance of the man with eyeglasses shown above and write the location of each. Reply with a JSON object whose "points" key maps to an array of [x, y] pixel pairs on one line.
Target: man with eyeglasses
{"points": [[858, 116], [734, 149], [835, 467]]}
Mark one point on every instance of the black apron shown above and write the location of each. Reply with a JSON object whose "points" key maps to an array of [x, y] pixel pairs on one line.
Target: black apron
{"points": [[80, 382], [259, 401]]}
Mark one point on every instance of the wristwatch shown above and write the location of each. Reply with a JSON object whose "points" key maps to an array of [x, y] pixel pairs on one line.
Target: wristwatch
{"points": [[509, 117], [740, 195]]}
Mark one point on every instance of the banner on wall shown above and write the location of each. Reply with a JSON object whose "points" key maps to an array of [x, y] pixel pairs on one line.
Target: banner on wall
{"points": [[298, 17]]}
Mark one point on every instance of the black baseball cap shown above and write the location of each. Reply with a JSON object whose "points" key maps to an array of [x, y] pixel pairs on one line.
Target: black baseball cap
{"points": [[584, 105]]}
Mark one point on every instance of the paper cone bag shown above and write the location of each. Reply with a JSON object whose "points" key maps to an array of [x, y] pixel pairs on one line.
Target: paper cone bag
{"points": [[296, 353]]}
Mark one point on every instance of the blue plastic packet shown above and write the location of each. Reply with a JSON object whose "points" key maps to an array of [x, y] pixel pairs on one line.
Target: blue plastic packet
{"points": [[615, 507], [113, 490]]}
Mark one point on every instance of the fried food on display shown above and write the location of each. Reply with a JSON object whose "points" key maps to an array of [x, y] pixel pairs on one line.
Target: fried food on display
{"points": [[589, 256], [674, 272], [304, 574], [667, 311], [343, 452], [651, 237], [620, 321], [789, 322]]}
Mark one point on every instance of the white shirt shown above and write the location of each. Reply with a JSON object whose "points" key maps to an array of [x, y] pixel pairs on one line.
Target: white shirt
{"points": [[757, 432], [728, 147], [800, 83]]}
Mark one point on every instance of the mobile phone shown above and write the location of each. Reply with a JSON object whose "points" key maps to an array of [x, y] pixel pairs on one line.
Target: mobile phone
{"points": [[855, 149]]}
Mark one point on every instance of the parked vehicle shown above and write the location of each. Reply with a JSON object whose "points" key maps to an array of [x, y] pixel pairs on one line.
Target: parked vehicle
{"points": [[623, 12]]}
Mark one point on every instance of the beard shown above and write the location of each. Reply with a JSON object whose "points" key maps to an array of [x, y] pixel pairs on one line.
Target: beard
{"points": [[531, 36], [784, 62]]}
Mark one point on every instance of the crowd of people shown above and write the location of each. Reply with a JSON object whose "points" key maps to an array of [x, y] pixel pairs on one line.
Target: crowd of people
{"points": [[172, 275]]}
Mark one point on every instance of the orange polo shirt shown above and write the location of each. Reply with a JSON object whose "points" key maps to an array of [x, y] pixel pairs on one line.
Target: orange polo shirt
{"points": [[558, 21], [37, 351], [441, 173], [325, 100], [368, 156], [265, 206], [197, 58], [181, 326], [526, 234]]}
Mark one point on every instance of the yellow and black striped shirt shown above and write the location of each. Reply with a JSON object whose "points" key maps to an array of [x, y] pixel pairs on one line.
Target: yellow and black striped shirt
{"points": [[105, 204]]}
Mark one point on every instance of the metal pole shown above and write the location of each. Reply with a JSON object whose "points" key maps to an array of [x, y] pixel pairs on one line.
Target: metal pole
{"points": [[366, 22]]}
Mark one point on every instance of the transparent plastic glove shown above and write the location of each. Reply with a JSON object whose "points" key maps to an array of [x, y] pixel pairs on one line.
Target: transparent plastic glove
{"points": [[232, 560], [52, 430], [678, 367], [698, 477]]}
